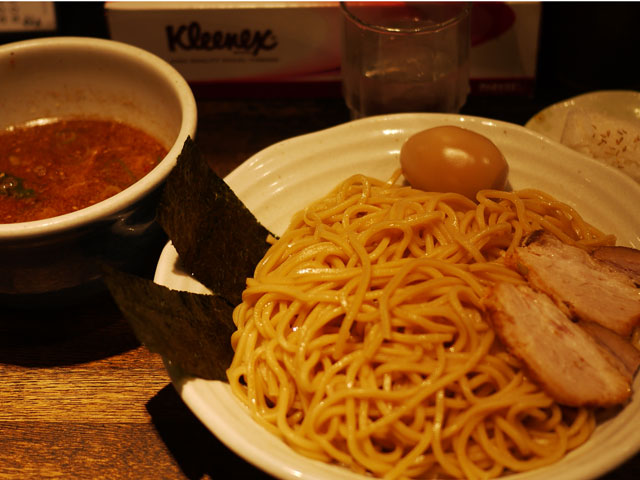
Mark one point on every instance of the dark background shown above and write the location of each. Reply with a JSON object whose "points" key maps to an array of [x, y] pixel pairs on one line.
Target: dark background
{"points": [[584, 46]]}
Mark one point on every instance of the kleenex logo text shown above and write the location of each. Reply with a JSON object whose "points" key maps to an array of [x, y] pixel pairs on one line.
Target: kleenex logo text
{"points": [[193, 38]]}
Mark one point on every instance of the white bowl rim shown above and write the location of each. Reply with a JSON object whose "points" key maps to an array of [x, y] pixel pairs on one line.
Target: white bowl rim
{"points": [[128, 196]]}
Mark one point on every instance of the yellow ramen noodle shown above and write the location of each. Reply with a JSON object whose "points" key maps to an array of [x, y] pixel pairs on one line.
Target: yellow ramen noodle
{"points": [[362, 341]]}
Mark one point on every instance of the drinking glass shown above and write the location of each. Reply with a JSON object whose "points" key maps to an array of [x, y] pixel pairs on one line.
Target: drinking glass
{"points": [[405, 56]]}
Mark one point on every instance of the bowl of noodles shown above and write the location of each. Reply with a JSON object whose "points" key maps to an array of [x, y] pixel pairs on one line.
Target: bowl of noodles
{"points": [[399, 376]]}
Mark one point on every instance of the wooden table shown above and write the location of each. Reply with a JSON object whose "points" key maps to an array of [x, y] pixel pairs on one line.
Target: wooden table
{"points": [[80, 398]]}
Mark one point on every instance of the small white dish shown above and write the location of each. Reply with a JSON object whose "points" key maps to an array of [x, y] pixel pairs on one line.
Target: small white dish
{"points": [[285, 177], [619, 104]]}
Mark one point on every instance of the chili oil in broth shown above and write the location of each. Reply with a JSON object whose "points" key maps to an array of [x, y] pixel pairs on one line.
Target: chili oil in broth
{"points": [[52, 167]]}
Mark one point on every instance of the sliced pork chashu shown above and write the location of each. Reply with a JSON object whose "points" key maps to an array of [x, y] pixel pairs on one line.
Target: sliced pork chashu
{"points": [[580, 285], [624, 354], [625, 259], [557, 353]]}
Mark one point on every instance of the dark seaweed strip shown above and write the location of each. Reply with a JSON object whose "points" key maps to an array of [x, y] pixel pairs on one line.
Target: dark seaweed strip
{"points": [[218, 239], [191, 330]]}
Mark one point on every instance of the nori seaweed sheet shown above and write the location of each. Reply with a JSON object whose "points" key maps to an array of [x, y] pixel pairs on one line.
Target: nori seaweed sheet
{"points": [[191, 330], [219, 241]]}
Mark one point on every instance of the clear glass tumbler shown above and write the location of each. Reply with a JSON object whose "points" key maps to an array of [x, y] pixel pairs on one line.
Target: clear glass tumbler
{"points": [[405, 56]]}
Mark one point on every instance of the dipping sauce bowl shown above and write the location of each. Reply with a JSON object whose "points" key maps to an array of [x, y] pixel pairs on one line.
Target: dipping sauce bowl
{"points": [[58, 259]]}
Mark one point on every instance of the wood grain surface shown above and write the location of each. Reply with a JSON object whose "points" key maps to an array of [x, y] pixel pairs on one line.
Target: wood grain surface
{"points": [[80, 398]]}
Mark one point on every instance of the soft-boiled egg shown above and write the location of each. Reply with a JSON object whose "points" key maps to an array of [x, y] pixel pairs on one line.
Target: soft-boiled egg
{"points": [[453, 159]]}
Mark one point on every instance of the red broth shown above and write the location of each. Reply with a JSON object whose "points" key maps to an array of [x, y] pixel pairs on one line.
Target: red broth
{"points": [[64, 165]]}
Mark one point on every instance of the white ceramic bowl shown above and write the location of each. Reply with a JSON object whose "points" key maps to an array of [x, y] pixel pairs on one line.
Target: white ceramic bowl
{"points": [[283, 178], [59, 257]]}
